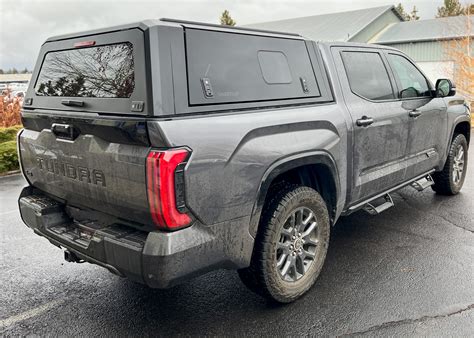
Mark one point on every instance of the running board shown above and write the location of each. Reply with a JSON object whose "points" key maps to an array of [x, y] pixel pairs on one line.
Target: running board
{"points": [[423, 183], [375, 210], [362, 204]]}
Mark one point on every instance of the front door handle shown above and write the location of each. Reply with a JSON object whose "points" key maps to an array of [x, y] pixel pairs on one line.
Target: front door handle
{"points": [[364, 121], [414, 113]]}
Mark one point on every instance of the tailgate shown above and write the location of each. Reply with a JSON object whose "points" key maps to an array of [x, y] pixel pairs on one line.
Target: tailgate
{"points": [[85, 140], [99, 164]]}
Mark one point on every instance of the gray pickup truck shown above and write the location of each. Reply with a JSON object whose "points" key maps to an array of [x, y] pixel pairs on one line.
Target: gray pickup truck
{"points": [[165, 149]]}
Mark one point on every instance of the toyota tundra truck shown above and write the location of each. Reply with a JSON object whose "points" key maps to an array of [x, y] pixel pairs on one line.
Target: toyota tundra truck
{"points": [[165, 149]]}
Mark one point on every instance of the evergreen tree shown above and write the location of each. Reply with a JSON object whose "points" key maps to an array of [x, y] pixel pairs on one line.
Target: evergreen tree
{"points": [[226, 19], [402, 12], [413, 14], [450, 8]]}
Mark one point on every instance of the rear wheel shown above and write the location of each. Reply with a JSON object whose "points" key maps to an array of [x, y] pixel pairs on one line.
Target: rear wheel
{"points": [[291, 244], [450, 180]]}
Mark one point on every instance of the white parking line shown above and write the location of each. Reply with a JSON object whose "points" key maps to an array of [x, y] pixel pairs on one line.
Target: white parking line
{"points": [[8, 212], [29, 314]]}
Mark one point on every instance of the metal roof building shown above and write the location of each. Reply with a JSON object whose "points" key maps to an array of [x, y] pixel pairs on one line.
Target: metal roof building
{"points": [[425, 41], [426, 30], [432, 44], [15, 78], [359, 25]]}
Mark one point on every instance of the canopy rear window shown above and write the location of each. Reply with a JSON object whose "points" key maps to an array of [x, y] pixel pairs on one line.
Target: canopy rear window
{"points": [[103, 72]]}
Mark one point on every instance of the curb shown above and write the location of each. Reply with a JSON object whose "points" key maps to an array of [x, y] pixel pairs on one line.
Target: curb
{"points": [[9, 173]]}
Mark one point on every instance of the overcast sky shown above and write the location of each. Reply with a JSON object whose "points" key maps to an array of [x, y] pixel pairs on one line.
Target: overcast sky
{"points": [[25, 24]]}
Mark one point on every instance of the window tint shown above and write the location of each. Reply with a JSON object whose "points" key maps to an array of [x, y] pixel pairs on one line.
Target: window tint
{"points": [[102, 71], [367, 75], [410, 81], [232, 68]]}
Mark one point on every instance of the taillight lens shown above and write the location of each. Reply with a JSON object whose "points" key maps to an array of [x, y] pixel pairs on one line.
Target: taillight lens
{"points": [[161, 167]]}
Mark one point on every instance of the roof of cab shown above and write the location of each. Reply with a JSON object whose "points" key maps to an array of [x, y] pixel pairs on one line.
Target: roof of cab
{"points": [[146, 24]]}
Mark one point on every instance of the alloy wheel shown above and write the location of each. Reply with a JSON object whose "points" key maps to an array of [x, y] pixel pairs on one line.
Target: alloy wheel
{"points": [[297, 247], [458, 165]]}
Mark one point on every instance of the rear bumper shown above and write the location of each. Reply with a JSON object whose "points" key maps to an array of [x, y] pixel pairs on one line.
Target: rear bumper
{"points": [[157, 259]]}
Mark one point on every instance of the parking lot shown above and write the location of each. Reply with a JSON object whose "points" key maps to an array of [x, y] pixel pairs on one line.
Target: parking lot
{"points": [[407, 271]]}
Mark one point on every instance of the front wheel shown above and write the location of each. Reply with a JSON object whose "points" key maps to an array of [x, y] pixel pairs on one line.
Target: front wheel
{"points": [[450, 180], [291, 244]]}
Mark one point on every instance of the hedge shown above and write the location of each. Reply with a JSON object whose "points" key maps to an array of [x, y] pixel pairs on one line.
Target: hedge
{"points": [[8, 156], [9, 134]]}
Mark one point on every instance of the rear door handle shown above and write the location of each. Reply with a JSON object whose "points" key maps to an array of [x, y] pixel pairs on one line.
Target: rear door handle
{"points": [[364, 121], [414, 113]]}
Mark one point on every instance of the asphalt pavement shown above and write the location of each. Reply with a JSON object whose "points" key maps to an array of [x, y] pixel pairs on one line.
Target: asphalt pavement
{"points": [[408, 271]]}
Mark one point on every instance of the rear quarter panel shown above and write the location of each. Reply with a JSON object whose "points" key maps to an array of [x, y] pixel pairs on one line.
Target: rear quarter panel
{"points": [[232, 152]]}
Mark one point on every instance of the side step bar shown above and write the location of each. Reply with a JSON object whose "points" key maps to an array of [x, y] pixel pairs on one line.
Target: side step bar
{"points": [[375, 210], [423, 183], [420, 183]]}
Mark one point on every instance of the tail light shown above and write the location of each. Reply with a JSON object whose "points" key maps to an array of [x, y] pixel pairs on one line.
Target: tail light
{"points": [[165, 188]]}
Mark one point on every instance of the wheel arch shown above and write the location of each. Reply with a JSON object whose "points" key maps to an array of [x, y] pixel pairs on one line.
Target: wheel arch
{"points": [[311, 168], [462, 127]]}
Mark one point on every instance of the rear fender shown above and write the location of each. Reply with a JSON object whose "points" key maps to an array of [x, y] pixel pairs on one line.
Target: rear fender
{"points": [[283, 165]]}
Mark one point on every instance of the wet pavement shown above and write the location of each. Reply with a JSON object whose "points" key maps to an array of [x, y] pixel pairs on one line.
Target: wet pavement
{"points": [[408, 271]]}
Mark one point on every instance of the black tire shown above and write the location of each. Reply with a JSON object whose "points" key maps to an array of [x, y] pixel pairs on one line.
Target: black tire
{"points": [[446, 181], [263, 276]]}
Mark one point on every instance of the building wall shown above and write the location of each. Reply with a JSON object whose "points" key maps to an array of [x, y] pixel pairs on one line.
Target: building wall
{"points": [[375, 27], [11, 78], [434, 60], [437, 69], [427, 51]]}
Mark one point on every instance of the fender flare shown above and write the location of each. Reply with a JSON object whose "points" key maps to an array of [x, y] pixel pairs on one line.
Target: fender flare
{"points": [[283, 165], [458, 120]]}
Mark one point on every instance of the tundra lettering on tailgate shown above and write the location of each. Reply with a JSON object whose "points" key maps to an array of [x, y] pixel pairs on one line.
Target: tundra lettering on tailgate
{"points": [[83, 174]]}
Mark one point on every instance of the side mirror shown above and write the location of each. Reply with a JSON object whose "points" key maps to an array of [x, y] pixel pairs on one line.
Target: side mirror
{"points": [[408, 93], [445, 87]]}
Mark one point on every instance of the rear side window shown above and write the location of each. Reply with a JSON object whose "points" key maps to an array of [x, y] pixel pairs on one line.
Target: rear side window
{"points": [[102, 72], [367, 75], [234, 68]]}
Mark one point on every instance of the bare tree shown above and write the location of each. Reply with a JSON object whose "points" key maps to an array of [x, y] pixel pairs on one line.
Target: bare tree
{"points": [[459, 51]]}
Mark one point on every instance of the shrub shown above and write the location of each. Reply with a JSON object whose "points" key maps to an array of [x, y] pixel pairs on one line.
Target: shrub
{"points": [[8, 156], [8, 134], [10, 108]]}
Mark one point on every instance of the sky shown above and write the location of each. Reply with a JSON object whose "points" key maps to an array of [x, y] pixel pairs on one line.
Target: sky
{"points": [[26, 24]]}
